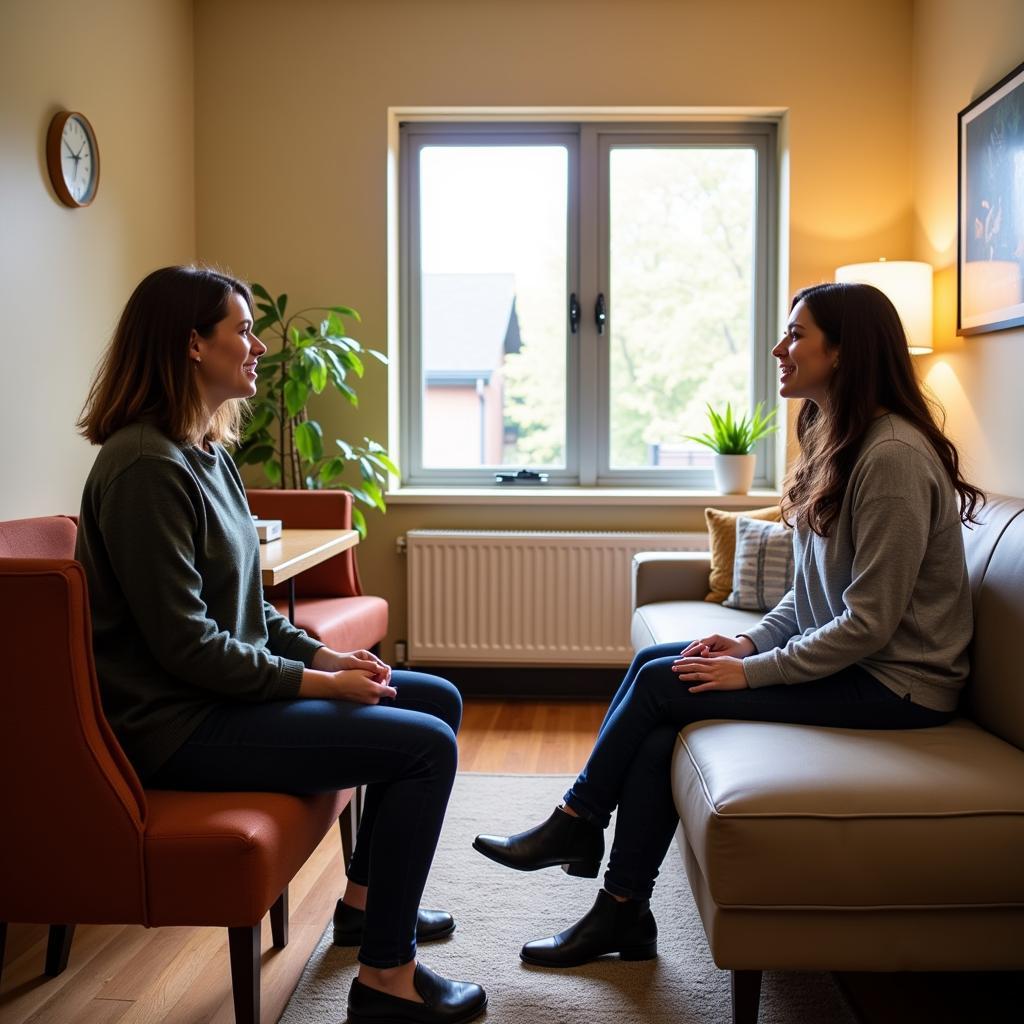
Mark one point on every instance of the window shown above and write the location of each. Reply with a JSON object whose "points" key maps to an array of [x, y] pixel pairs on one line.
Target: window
{"points": [[573, 296]]}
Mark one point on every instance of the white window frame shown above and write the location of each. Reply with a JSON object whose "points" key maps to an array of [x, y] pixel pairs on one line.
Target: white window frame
{"points": [[587, 380]]}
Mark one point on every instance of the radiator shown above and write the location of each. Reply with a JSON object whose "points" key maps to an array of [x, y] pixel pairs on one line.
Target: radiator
{"points": [[525, 598]]}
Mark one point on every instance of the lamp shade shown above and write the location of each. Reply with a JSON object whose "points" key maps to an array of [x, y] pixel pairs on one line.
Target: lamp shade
{"points": [[908, 284]]}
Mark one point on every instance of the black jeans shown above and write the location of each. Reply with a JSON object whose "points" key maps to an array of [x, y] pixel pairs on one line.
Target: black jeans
{"points": [[630, 765], [404, 749]]}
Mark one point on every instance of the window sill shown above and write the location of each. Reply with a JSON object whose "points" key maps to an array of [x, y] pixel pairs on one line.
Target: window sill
{"points": [[517, 494]]}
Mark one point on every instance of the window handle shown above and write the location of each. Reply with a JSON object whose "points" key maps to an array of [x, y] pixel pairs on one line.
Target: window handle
{"points": [[574, 314], [600, 315]]}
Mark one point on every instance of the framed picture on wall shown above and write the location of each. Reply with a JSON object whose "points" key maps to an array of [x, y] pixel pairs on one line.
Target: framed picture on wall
{"points": [[990, 196]]}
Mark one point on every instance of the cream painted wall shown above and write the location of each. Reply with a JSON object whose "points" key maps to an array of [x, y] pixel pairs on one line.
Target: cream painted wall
{"points": [[960, 49], [291, 148], [65, 274]]}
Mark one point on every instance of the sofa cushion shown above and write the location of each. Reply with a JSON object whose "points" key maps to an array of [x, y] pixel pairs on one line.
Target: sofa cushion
{"points": [[664, 622], [722, 545], [343, 623], [763, 567], [926, 817]]}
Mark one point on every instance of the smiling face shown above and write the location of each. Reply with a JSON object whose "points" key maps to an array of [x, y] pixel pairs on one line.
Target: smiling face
{"points": [[806, 359], [225, 362]]}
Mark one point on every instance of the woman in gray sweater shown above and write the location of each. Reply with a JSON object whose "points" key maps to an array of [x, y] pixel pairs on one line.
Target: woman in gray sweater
{"points": [[872, 635], [205, 685]]}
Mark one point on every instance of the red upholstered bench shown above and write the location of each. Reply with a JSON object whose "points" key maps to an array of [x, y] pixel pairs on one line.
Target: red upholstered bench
{"points": [[329, 600], [83, 842]]}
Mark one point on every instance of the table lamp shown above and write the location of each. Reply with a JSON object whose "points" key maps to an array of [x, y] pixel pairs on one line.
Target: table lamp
{"points": [[908, 284]]}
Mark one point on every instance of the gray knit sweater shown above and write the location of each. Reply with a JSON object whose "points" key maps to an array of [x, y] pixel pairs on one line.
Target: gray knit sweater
{"points": [[179, 621], [887, 590]]}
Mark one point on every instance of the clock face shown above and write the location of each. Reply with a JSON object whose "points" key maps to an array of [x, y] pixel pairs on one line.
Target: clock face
{"points": [[79, 161]]}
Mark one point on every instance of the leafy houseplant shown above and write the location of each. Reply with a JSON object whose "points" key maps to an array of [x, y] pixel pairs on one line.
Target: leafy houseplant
{"points": [[280, 436], [732, 441]]}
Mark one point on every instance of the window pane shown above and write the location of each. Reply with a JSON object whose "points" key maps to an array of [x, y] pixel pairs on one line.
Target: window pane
{"points": [[682, 228], [493, 231]]}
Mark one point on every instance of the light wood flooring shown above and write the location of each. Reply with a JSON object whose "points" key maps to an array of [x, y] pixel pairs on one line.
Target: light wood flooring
{"points": [[133, 975]]}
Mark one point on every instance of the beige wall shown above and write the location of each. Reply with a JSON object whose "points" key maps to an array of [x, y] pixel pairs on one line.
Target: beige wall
{"points": [[960, 49], [65, 274], [290, 149]]}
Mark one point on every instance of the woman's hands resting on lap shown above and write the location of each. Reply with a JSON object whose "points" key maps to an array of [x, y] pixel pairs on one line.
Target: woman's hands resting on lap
{"points": [[714, 663], [357, 676]]}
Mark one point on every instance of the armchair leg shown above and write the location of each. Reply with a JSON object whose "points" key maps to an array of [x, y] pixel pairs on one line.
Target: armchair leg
{"points": [[244, 947], [746, 995], [279, 920], [347, 824], [58, 948]]}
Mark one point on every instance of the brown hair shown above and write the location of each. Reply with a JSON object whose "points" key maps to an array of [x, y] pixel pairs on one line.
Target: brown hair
{"points": [[145, 370], [862, 326]]}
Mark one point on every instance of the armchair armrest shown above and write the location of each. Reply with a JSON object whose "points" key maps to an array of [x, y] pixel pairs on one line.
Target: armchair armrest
{"points": [[670, 576]]}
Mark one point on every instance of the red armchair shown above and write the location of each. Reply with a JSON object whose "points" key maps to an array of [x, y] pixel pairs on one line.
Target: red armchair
{"points": [[329, 600], [83, 842]]}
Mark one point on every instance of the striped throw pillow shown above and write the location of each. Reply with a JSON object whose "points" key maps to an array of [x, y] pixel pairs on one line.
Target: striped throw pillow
{"points": [[763, 568]]}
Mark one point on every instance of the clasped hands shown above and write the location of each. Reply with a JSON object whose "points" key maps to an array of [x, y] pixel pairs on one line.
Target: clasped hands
{"points": [[714, 663], [357, 676]]}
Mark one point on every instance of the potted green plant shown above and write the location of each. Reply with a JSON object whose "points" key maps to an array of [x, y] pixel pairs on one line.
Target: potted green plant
{"points": [[315, 353], [732, 441]]}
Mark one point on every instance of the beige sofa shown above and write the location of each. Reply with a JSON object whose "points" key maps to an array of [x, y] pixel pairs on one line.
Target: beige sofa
{"points": [[810, 848]]}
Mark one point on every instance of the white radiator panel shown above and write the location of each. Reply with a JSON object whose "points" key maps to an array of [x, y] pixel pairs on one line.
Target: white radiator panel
{"points": [[525, 598]]}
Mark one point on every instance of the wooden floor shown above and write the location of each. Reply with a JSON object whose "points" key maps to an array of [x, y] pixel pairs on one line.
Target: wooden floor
{"points": [[135, 975]]}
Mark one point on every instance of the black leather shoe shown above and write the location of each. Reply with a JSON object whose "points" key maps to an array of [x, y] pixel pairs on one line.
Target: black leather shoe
{"points": [[574, 843], [628, 929], [348, 925], [444, 1002]]}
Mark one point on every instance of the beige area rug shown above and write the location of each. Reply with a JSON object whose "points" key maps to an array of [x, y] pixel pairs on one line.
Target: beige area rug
{"points": [[497, 910]]}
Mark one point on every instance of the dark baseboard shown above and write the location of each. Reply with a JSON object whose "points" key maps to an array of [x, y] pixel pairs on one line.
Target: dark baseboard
{"points": [[529, 682]]}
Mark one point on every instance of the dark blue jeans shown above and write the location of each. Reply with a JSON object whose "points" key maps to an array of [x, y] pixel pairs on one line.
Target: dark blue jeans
{"points": [[404, 750], [630, 765]]}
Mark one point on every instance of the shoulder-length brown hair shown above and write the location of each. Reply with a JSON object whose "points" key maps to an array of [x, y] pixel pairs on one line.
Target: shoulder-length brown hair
{"points": [[146, 370], [861, 326]]}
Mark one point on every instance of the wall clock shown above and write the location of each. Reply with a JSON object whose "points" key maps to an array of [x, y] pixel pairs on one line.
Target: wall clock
{"points": [[73, 158]]}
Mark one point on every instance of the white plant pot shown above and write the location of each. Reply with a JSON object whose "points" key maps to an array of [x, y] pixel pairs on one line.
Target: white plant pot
{"points": [[734, 474]]}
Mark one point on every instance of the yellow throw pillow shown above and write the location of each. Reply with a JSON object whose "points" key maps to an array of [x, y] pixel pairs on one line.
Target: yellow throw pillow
{"points": [[722, 542]]}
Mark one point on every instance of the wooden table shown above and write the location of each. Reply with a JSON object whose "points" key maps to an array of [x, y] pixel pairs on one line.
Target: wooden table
{"points": [[298, 550]]}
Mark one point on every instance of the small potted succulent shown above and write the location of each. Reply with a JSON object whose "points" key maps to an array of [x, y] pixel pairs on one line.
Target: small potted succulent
{"points": [[732, 441]]}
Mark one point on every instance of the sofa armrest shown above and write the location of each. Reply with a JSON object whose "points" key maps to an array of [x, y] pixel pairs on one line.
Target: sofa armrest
{"points": [[670, 576]]}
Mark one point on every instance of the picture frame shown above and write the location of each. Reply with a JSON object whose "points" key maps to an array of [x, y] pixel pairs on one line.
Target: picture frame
{"points": [[990, 209]]}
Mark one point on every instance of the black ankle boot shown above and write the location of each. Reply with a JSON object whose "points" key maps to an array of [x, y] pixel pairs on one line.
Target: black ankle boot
{"points": [[627, 928], [572, 842]]}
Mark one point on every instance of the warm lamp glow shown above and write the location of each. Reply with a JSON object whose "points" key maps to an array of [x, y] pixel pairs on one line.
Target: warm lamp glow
{"points": [[908, 284]]}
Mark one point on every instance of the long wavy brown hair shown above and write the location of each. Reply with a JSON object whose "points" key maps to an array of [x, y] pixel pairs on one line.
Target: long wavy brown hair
{"points": [[861, 326], [146, 370]]}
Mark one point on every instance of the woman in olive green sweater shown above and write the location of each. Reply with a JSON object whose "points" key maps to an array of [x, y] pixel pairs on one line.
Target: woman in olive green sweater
{"points": [[204, 683]]}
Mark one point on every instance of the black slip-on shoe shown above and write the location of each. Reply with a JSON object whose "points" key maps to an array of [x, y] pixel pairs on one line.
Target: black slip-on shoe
{"points": [[626, 928], [348, 925], [444, 1002], [575, 844]]}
